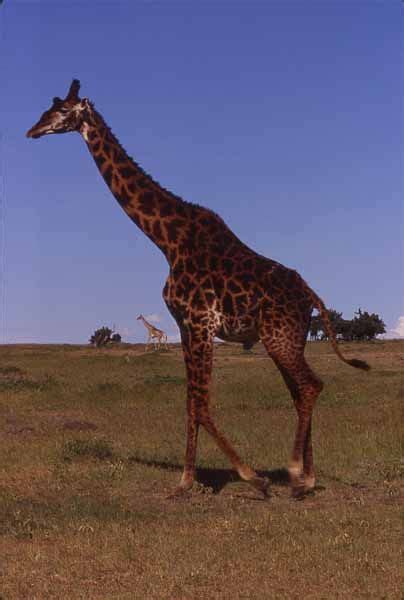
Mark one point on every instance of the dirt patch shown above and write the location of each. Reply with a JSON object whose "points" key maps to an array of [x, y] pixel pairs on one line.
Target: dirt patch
{"points": [[15, 426]]}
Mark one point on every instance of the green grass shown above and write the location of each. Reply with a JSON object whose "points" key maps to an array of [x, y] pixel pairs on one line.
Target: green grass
{"points": [[87, 448], [92, 441]]}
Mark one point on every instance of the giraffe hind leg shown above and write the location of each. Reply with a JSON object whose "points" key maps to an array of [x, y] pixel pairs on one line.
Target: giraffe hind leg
{"points": [[304, 387]]}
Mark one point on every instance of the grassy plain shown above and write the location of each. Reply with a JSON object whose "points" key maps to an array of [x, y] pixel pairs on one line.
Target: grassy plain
{"points": [[92, 441]]}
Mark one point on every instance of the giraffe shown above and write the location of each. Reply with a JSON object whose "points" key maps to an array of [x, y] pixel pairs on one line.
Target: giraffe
{"points": [[216, 287], [153, 333]]}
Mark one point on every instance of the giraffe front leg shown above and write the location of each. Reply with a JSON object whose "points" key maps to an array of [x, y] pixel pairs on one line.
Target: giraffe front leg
{"points": [[188, 474], [198, 356], [245, 471]]}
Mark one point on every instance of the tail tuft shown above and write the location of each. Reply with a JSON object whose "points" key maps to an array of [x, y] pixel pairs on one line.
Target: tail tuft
{"points": [[358, 364]]}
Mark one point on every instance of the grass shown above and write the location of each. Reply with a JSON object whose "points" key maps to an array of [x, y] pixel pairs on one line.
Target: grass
{"points": [[87, 448], [92, 441]]}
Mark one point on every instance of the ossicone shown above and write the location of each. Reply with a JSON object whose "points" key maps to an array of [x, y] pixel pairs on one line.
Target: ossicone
{"points": [[73, 93]]}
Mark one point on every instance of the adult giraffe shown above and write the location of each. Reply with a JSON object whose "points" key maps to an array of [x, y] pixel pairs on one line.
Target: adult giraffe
{"points": [[217, 286], [153, 333]]}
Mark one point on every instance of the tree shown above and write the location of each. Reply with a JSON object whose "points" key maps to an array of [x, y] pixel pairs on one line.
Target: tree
{"points": [[336, 322], [101, 337], [317, 327], [363, 326], [346, 330], [367, 326]]}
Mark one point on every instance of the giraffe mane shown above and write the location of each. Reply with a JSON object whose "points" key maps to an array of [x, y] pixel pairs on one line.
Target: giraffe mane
{"points": [[140, 168]]}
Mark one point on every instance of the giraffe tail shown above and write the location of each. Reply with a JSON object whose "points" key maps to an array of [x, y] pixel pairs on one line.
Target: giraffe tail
{"points": [[354, 362]]}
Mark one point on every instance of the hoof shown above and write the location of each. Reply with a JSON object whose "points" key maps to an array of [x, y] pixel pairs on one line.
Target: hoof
{"points": [[261, 484], [299, 492], [181, 490], [178, 492]]}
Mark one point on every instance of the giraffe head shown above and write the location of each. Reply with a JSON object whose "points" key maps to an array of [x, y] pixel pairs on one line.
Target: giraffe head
{"points": [[139, 317], [63, 116]]}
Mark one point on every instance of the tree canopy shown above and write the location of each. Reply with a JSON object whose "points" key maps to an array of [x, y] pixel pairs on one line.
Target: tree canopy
{"points": [[364, 326], [103, 336]]}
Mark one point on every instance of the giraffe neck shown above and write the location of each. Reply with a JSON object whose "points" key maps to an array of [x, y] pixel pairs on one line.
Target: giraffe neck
{"points": [[149, 205], [147, 324]]}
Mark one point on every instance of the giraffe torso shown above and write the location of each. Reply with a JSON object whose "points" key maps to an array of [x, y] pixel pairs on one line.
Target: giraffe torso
{"points": [[221, 284]]}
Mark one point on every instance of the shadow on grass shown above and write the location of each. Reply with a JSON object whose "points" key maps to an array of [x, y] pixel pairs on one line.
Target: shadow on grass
{"points": [[216, 479]]}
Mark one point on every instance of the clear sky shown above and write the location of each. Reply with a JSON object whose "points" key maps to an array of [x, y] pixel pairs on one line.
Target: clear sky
{"points": [[285, 117]]}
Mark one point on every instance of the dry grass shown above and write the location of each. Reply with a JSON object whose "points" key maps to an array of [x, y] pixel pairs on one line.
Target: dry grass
{"points": [[92, 442]]}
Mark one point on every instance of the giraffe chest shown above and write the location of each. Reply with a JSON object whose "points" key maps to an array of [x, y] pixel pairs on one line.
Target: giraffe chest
{"points": [[237, 329], [226, 303]]}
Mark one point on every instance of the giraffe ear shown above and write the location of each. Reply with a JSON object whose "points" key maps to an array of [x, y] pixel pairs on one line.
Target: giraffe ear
{"points": [[85, 103], [73, 94]]}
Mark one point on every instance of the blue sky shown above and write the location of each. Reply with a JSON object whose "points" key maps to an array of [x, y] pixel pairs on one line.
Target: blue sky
{"points": [[282, 116]]}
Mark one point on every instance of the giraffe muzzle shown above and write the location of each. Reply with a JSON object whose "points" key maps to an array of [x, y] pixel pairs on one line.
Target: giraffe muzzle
{"points": [[33, 133]]}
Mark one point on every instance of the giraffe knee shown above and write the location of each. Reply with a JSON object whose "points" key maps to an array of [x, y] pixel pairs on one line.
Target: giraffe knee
{"points": [[203, 418], [311, 385], [316, 385]]}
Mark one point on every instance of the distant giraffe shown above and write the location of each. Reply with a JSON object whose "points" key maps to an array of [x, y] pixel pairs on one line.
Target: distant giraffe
{"points": [[217, 286], [153, 333]]}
